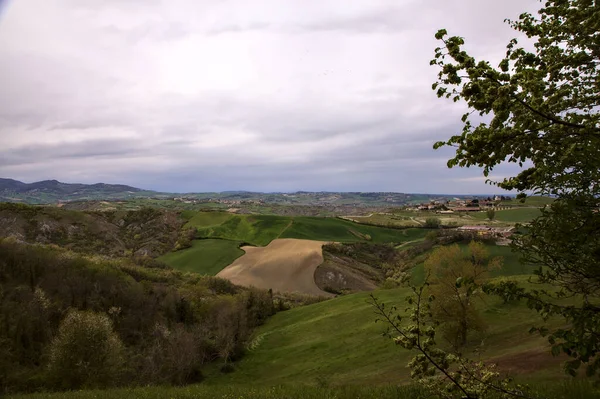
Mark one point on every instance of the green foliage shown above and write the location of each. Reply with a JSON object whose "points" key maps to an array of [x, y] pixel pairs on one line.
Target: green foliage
{"points": [[431, 236], [171, 324], [86, 352], [443, 374], [432, 223], [454, 275], [543, 103], [545, 113], [491, 214]]}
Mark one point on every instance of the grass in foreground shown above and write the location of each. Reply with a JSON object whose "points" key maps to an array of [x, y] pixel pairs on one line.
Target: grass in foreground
{"points": [[207, 257], [572, 390]]}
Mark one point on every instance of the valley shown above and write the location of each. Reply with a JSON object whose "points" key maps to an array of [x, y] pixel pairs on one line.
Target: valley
{"points": [[320, 273]]}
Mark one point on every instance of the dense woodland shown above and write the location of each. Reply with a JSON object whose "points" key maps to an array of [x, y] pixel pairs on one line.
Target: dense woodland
{"points": [[71, 321]]}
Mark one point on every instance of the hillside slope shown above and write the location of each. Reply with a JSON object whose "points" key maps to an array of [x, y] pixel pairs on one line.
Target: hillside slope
{"points": [[338, 341], [144, 232], [262, 229]]}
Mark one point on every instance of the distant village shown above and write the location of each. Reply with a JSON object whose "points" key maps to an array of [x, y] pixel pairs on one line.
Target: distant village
{"points": [[462, 205]]}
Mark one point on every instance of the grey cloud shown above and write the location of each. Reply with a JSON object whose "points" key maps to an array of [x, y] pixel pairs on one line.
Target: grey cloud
{"points": [[237, 28], [34, 153], [385, 19], [198, 101]]}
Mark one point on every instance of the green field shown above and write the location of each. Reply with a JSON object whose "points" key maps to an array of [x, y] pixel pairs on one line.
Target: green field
{"points": [[207, 219], [208, 256], [330, 229], [253, 229], [262, 229], [532, 201]]}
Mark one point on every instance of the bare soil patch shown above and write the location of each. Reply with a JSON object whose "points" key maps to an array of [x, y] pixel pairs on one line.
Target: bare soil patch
{"points": [[285, 265]]}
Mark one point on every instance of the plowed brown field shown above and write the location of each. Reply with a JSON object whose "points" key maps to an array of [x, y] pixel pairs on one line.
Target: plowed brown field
{"points": [[285, 265]]}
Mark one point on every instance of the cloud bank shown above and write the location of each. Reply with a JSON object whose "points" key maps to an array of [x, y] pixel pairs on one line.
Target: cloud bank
{"points": [[281, 95]]}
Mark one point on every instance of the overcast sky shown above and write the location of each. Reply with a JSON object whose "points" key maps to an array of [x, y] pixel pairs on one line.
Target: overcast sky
{"points": [[205, 95]]}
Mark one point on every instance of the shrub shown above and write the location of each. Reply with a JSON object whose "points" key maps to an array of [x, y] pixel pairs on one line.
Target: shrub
{"points": [[86, 352], [432, 223]]}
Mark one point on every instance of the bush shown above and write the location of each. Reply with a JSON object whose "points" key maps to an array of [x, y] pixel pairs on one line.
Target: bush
{"points": [[431, 236], [432, 223], [175, 356], [86, 352]]}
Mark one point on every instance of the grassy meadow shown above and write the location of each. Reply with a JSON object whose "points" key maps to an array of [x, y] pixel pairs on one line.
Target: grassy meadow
{"points": [[208, 256]]}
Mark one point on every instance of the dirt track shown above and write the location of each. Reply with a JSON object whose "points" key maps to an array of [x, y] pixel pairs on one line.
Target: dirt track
{"points": [[285, 265]]}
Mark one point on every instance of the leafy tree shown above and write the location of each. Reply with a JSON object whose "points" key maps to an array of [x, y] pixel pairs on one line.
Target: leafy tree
{"points": [[450, 268], [542, 107], [86, 352], [443, 374], [432, 223], [490, 213]]}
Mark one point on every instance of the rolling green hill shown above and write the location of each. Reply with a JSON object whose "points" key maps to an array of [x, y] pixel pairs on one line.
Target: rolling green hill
{"points": [[206, 219], [254, 229], [330, 229], [208, 256], [262, 229]]}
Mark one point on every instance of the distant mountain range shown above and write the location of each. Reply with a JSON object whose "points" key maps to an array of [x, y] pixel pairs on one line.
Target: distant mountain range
{"points": [[53, 191], [49, 191]]}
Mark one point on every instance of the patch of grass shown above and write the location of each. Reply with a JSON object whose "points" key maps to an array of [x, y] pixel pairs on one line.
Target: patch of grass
{"points": [[187, 214], [254, 229], [208, 256], [207, 219]]}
